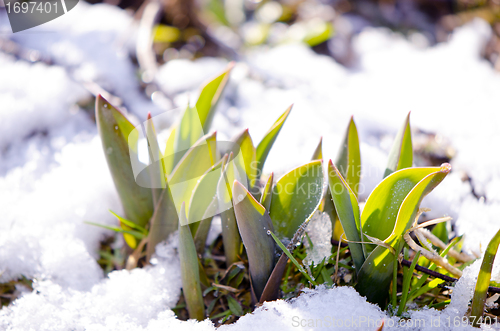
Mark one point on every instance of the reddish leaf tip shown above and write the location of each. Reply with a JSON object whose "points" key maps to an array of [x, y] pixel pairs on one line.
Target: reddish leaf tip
{"points": [[149, 115], [230, 66], [100, 100], [446, 167], [238, 190], [408, 117]]}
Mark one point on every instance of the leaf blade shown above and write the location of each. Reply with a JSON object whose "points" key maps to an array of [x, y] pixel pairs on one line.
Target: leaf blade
{"points": [[348, 161], [244, 145], [347, 209], [114, 130], [295, 197], [375, 275], [164, 222], [401, 154], [266, 197], [380, 211], [267, 142], [318, 152], [190, 271], [184, 178], [253, 223], [483, 279], [209, 97]]}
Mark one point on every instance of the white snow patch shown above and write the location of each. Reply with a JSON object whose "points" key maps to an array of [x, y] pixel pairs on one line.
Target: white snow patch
{"points": [[319, 231]]}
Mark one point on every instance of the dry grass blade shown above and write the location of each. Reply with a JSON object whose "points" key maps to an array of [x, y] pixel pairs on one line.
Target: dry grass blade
{"points": [[227, 288], [432, 256], [429, 223], [461, 257], [133, 259]]}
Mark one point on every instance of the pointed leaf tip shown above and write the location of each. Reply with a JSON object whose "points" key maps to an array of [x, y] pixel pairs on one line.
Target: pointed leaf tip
{"points": [[230, 66], [318, 152], [267, 142], [238, 189], [401, 153], [349, 159], [120, 147], [446, 167]]}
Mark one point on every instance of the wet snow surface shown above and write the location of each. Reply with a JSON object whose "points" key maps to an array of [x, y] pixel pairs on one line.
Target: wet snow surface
{"points": [[53, 175]]}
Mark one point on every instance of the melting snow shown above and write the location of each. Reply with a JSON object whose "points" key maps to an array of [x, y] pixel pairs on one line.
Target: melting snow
{"points": [[319, 231]]}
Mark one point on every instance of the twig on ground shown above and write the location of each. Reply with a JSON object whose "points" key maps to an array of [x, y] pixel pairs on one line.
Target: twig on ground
{"points": [[461, 257], [431, 255], [432, 273]]}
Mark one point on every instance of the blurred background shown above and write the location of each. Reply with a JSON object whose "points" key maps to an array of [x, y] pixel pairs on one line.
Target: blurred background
{"points": [[197, 28]]}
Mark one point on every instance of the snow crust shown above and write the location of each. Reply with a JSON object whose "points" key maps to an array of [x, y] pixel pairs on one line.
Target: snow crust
{"points": [[319, 231], [53, 175]]}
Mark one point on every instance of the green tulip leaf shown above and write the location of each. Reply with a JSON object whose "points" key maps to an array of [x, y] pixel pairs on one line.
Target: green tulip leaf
{"points": [[267, 142], [347, 210], [230, 234], [244, 145], [163, 223], [201, 205], [188, 132], [210, 96], [318, 152], [114, 130], [375, 276], [267, 193], [156, 168], [169, 154], [401, 154], [195, 121], [349, 160], [381, 209], [204, 204], [483, 280], [295, 198], [190, 273], [184, 178], [272, 287], [253, 224]]}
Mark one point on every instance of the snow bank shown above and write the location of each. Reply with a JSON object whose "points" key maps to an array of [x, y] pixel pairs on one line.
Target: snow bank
{"points": [[53, 175]]}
